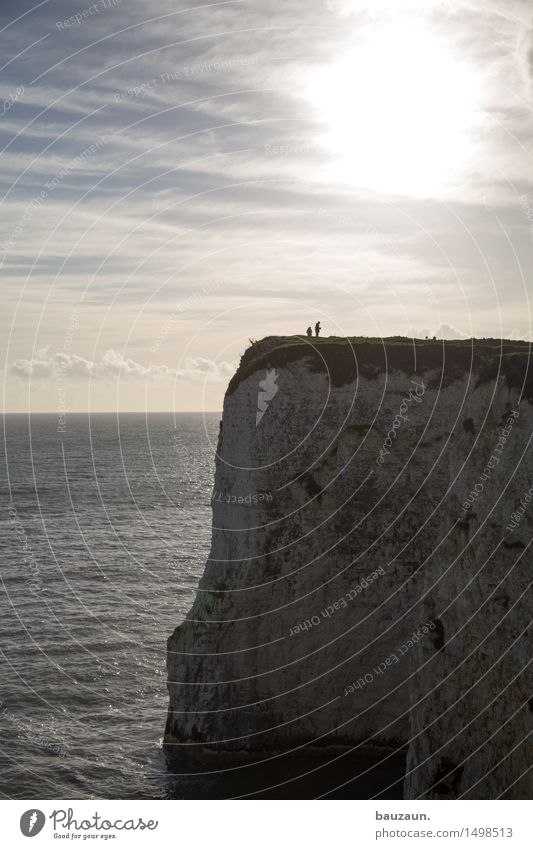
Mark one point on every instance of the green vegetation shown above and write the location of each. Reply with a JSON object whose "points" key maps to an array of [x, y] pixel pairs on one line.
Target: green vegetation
{"points": [[440, 362]]}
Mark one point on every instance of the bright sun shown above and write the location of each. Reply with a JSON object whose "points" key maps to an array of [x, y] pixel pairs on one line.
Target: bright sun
{"points": [[398, 109]]}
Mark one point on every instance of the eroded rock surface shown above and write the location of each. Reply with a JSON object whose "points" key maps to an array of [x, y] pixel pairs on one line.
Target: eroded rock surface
{"points": [[364, 585]]}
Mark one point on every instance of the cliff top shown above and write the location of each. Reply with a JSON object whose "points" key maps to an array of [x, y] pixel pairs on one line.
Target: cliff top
{"points": [[344, 358]]}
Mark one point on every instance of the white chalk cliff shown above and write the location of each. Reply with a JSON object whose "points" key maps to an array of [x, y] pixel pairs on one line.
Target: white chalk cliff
{"points": [[365, 585]]}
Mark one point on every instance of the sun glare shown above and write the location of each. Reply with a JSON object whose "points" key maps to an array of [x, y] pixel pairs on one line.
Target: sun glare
{"points": [[398, 111]]}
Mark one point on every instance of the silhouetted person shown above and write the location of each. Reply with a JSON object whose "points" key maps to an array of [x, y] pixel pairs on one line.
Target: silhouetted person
{"points": [[309, 331], [317, 329]]}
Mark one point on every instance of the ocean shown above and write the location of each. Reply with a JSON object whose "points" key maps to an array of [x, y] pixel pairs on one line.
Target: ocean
{"points": [[104, 533]]}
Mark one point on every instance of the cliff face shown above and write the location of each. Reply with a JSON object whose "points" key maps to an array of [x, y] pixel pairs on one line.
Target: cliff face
{"points": [[366, 584]]}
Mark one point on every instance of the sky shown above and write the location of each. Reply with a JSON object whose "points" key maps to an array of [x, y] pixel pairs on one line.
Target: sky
{"points": [[180, 177]]}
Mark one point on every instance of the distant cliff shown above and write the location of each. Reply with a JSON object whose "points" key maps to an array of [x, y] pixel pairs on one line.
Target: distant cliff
{"points": [[369, 580]]}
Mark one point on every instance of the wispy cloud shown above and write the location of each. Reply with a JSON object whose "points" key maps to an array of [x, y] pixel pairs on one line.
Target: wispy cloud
{"points": [[112, 365], [215, 165]]}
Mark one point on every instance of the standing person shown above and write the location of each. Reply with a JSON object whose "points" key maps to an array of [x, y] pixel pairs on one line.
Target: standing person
{"points": [[309, 331], [317, 329]]}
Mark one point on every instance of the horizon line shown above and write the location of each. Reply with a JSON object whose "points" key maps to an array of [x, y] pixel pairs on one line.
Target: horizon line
{"points": [[103, 412]]}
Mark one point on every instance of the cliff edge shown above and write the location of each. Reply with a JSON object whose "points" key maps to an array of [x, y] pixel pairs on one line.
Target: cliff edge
{"points": [[369, 576]]}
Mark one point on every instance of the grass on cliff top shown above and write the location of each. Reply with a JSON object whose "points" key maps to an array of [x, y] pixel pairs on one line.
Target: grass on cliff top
{"points": [[346, 357]]}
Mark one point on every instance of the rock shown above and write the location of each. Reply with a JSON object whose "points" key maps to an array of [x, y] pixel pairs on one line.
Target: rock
{"points": [[364, 585]]}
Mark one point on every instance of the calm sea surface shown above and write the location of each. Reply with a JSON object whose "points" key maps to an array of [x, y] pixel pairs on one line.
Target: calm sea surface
{"points": [[104, 533]]}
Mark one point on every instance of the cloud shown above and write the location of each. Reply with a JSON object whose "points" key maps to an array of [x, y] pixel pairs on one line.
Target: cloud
{"points": [[113, 365], [214, 164], [445, 331]]}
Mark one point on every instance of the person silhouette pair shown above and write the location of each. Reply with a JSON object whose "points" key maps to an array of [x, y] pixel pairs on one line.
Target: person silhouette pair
{"points": [[317, 330]]}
